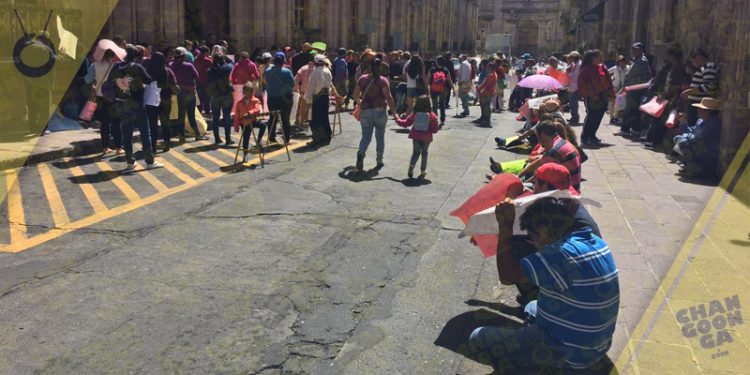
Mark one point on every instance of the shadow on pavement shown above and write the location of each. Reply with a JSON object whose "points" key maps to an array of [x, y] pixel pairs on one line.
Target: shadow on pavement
{"points": [[352, 174], [456, 332], [414, 182], [516, 311]]}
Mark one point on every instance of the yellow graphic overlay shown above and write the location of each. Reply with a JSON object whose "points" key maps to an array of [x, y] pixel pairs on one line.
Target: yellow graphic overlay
{"points": [[42, 46], [695, 323]]}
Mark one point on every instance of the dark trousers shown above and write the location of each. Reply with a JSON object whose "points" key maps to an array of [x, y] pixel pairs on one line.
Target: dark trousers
{"points": [[222, 116], [246, 132], [284, 105], [106, 113], [594, 114], [657, 129], [447, 98], [438, 104], [156, 115], [631, 118], [321, 124], [205, 105], [186, 106], [132, 115]]}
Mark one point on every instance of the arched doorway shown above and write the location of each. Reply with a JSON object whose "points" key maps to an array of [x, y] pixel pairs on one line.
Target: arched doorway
{"points": [[528, 37]]}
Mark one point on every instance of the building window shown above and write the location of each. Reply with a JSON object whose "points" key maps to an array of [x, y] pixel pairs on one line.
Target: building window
{"points": [[355, 17], [299, 14]]}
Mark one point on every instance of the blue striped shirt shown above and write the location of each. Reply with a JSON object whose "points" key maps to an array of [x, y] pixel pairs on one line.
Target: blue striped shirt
{"points": [[579, 295]]}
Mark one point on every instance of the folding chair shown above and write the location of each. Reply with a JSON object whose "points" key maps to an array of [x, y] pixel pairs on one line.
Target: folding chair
{"points": [[261, 151], [336, 116]]}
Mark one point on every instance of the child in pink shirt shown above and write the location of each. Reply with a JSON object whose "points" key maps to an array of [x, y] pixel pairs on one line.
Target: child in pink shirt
{"points": [[425, 124]]}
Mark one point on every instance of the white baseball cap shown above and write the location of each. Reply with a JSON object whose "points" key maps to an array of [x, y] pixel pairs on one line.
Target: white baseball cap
{"points": [[320, 59]]}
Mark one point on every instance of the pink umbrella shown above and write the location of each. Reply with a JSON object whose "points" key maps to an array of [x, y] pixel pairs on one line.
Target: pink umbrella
{"points": [[540, 82], [106, 44]]}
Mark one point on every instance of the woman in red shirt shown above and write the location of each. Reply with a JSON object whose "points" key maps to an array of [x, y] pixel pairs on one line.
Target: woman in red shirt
{"points": [[595, 87], [486, 92]]}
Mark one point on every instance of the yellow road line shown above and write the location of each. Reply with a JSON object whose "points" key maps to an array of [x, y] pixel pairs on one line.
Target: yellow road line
{"points": [[212, 159], [231, 152], [18, 246], [119, 182], [88, 191], [155, 182], [59, 214], [176, 172], [16, 217], [706, 270], [195, 166]]}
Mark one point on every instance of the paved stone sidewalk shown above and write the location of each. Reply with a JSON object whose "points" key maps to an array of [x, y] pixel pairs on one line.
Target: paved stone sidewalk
{"points": [[644, 211]]}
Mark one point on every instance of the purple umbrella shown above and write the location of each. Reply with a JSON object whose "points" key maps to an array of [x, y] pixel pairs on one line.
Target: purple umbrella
{"points": [[540, 82]]}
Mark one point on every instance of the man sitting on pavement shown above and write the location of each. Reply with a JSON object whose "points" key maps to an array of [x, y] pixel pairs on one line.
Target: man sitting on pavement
{"points": [[698, 147], [571, 324], [548, 177], [557, 150]]}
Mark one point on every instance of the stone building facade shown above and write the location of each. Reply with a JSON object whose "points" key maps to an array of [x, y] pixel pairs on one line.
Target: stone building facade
{"points": [[426, 25], [721, 27], [534, 26]]}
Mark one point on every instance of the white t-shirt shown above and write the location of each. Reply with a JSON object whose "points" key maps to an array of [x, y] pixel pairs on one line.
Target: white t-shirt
{"points": [[411, 83]]}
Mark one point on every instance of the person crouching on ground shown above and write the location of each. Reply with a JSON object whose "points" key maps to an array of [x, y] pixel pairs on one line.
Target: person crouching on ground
{"points": [[425, 124], [572, 322], [245, 115]]}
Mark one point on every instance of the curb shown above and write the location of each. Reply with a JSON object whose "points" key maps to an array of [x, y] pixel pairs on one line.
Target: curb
{"points": [[81, 148]]}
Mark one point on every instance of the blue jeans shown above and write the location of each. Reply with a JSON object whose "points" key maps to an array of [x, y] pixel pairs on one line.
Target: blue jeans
{"points": [[373, 119], [217, 112], [510, 347], [132, 114], [574, 98]]}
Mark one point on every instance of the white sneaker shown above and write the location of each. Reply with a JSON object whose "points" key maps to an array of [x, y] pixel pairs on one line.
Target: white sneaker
{"points": [[154, 165], [130, 167]]}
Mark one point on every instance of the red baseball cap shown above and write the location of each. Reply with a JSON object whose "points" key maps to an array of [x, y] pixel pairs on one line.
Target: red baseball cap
{"points": [[556, 175]]}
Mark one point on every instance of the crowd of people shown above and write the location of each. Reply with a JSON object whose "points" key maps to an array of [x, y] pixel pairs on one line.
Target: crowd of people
{"points": [[563, 269]]}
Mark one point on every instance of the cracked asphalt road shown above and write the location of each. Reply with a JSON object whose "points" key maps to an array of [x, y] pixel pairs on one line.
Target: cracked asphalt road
{"points": [[289, 269]]}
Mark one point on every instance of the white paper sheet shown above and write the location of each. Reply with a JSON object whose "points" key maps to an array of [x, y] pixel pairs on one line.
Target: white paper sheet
{"points": [[485, 222]]}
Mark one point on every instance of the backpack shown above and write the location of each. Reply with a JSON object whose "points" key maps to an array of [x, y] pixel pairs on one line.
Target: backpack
{"points": [[421, 122], [438, 82]]}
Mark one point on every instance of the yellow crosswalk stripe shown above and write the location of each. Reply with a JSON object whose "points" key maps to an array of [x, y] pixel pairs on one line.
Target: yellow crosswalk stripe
{"points": [[59, 214], [16, 217], [119, 182], [176, 172], [212, 159], [191, 164], [155, 182], [228, 152], [89, 192]]}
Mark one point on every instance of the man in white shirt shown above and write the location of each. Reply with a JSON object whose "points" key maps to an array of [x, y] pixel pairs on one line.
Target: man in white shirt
{"points": [[319, 87], [464, 84], [574, 68], [618, 82]]}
